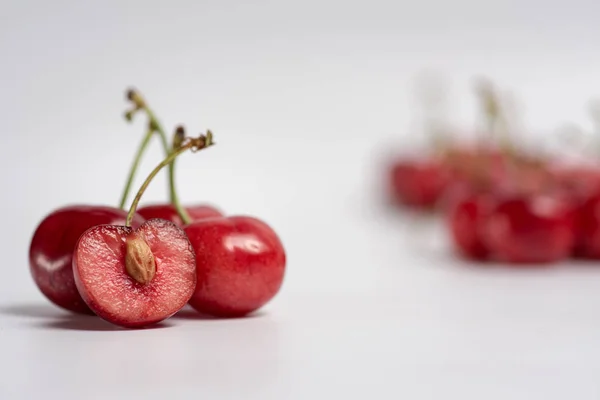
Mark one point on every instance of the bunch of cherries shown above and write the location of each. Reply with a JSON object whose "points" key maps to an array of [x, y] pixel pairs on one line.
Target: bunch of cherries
{"points": [[136, 268], [502, 203]]}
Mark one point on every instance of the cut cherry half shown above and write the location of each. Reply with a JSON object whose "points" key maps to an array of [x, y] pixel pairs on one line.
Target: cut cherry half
{"points": [[135, 278]]}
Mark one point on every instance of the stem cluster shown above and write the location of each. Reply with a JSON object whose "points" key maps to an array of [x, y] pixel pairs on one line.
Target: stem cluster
{"points": [[179, 144]]}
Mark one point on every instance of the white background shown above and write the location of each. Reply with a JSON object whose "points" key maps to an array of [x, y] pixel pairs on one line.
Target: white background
{"points": [[305, 99]]}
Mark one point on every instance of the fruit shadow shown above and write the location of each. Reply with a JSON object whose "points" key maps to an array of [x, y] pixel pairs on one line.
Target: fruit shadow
{"points": [[462, 262], [92, 323], [191, 314], [53, 318]]}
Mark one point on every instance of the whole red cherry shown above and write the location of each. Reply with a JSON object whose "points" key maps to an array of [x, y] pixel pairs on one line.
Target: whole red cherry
{"points": [[531, 228], [417, 184], [168, 212], [240, 264], [587, 227], [582, 186], [52, 246], [468, 212]]}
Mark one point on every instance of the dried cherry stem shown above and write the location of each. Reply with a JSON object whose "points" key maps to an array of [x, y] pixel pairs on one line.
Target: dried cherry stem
{"points": [[154, 126], [194, 144]]}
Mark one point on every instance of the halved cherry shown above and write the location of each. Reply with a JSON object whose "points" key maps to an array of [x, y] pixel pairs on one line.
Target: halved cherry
{"points": [[134, 278]]}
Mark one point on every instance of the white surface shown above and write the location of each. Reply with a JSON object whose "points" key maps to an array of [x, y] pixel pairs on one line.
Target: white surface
{"points": [[301, 96]]}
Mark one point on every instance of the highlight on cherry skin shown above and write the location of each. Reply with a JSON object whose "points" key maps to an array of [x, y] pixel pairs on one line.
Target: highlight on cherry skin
{"points": [[52, 246]]}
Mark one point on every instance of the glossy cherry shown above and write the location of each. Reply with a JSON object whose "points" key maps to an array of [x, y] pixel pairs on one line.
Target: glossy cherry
{"points": [[137, 277], [240, 265], [52, 245], [531, 228], [417, 184], [587, 226], [169, 212], [468, 213]]}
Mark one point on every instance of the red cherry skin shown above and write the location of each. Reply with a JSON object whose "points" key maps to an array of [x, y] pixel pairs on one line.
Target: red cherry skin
{"points": [[240, 265], [168, 212], [417, 184], [467, 218], [52, 245], [534, 228], [107, 288], [588, 228]]}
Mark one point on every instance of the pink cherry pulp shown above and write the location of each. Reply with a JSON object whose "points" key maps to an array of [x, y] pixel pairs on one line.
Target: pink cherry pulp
{"points": [[168, 212], [531, 228], [52, 246], [111, 265], [240, 265]]}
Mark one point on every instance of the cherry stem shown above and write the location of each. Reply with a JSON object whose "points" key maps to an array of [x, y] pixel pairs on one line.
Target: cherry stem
{"points": [[154, 126], [192, 143], [134, 167], [178, 139]]}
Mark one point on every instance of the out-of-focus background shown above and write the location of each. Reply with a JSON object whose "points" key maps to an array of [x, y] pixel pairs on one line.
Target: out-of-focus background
{"points": [[306, 100]]}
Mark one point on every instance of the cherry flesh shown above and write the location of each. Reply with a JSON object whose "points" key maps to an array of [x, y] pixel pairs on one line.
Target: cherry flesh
{"points": [[169, 212], [135, 277], [52, 246], [240, 265], [418, 184], [531, 228]]}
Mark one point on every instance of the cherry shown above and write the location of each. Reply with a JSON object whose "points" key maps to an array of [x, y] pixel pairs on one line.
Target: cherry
{"points": [[137, 277], [468, 213], [240, 265], [240, 260], [531, 228], [52, 245], [587, 226], [582, 185], [418, 184], [169, 212]]}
